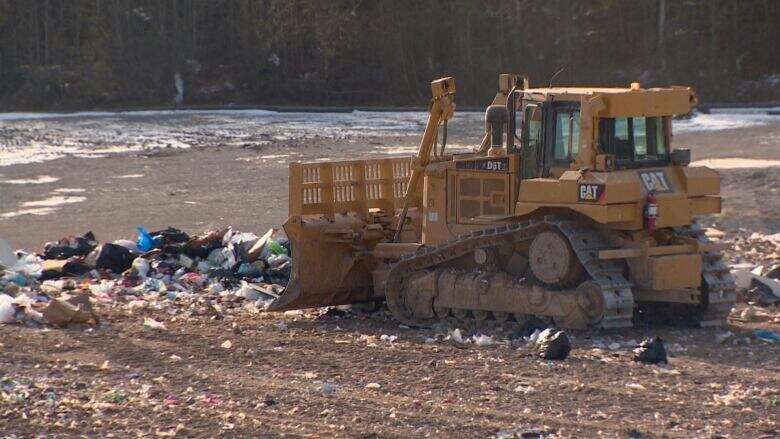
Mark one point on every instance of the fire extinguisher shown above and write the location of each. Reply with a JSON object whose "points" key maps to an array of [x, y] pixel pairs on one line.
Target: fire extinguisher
{"points": [[651, 211]]}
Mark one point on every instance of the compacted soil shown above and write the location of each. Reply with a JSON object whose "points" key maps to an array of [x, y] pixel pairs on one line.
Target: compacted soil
{"points": [[326, 376]]}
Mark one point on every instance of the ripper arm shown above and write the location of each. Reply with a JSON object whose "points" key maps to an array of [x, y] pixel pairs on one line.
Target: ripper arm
{"points": [[440, 110]]}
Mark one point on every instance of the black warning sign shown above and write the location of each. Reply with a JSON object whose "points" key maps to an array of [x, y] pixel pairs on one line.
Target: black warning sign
{"points": [[495, 165], [590, 192]]}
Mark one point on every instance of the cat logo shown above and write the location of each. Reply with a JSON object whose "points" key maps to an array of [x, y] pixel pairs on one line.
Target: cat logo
{"points": [[590, 192], [655, 181]]}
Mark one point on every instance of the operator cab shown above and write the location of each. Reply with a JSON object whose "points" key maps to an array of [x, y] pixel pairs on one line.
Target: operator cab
{"points": [[548, 134], [544, 132]]}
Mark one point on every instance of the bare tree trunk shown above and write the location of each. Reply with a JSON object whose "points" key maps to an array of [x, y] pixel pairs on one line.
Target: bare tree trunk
{"points": [[661, 41], [46, 32]]}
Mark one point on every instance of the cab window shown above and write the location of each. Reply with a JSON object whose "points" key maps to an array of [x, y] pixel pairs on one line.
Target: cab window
{"points": [[532, 128], [635, 141], [567, 135], [531, 141]]}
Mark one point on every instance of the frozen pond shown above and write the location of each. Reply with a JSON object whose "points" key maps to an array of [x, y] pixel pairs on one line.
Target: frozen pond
{"points": [[36, 137]]}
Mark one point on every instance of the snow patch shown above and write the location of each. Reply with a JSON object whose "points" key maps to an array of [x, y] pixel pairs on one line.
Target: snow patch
{"points": [[41, 179], [54, 201], [723, 120], [37, 211], [736, 163]]}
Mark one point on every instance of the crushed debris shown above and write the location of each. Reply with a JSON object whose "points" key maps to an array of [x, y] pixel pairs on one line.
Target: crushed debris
{"points": [[217, 271]]}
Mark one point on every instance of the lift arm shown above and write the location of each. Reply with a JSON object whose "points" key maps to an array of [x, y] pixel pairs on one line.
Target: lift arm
{"points": [[440, 110]]}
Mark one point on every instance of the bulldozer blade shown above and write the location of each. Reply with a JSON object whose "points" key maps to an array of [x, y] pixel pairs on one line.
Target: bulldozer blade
{"points": [[325, 271]]}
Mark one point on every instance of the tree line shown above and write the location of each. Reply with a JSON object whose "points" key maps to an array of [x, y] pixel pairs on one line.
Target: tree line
{"points": [[65, 54]]}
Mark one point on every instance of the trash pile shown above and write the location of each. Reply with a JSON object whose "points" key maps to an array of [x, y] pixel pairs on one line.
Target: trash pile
{"points": [[206, 273], [754, 260]]}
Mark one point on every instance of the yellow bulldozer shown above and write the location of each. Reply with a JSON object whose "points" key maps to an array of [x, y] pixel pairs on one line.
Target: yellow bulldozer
{"points": [[574, 209]]}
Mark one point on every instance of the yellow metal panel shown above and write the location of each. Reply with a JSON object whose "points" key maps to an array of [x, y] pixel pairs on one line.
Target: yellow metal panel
{"points": [[624, 101], [621, 186], [705, 205], [701, 180], [549, 190], [296, 193], [349, 186], [613, 213], [675, 272], [673, 211]]}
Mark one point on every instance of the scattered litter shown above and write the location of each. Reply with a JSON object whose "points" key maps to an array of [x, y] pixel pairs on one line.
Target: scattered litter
{"points": [[227, 344], [373, 386], [553, 344], [328, 388], [533, 336], [767, 336], [7, 310], [525, 389], [388, 338], [665, 371], [76, 309], [151, 323], [676, 348], [211, 400], [456, 338], [754, 314], [523, 433], [636, 386], [483, 340], [651, 351], [722, 336]]}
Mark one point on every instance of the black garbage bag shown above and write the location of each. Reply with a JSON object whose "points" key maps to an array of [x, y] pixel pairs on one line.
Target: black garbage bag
{"points": [[553, 344], [171, 235], [113, 257], [651, 350], [75, 267], [70, 246]]}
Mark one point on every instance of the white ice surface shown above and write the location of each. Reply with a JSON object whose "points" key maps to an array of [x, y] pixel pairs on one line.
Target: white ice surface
{"points": [[724, 120], [736, 163], [41, 179], [39, 211], [54, 201], [48, 136]]}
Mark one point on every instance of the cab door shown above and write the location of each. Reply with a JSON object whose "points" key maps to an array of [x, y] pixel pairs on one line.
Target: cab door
{"points": [[532, 138], [562, 139]]}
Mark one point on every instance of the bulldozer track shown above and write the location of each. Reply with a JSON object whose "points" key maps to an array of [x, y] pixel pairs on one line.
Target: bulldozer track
{"points": [[718, 288], [585, 240]]}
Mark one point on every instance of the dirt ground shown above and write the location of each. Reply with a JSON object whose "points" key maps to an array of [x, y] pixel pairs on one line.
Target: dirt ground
{"points": [[312, 375], [329, 376]]}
